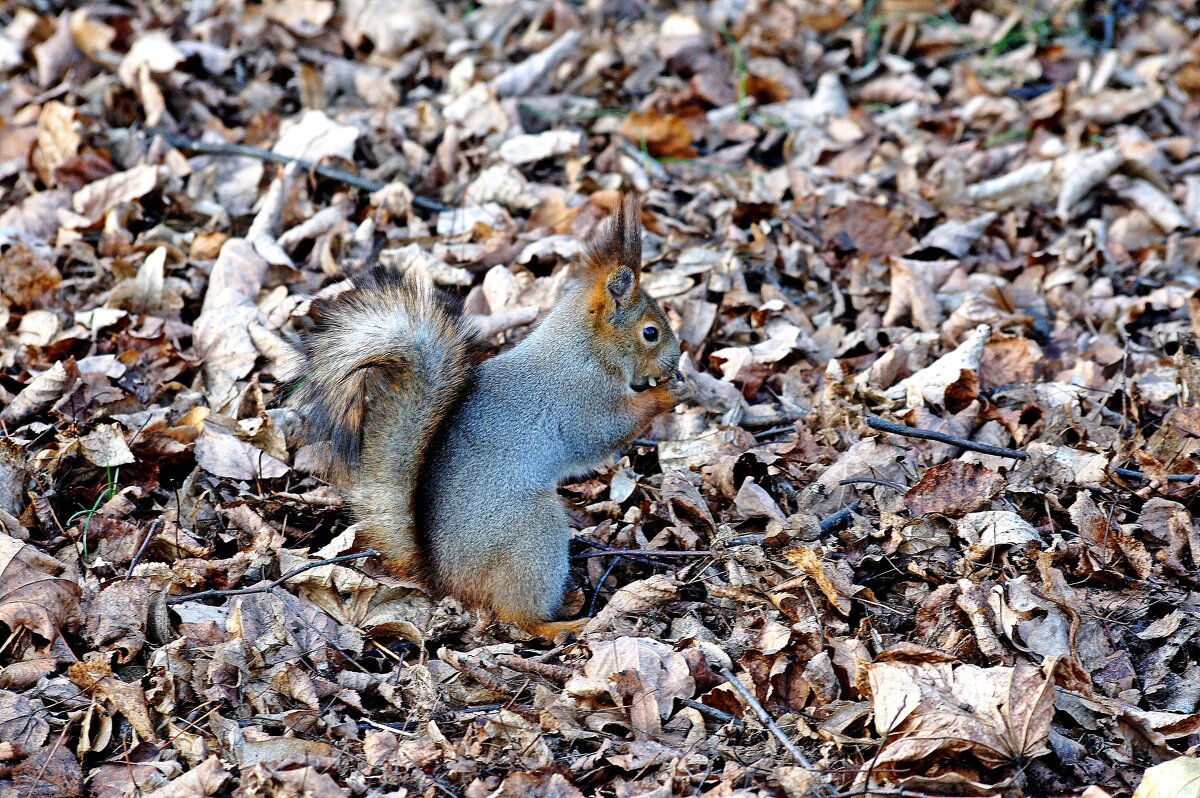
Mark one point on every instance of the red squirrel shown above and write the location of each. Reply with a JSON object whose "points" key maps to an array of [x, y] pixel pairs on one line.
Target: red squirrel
{"points": [[453, 466]]}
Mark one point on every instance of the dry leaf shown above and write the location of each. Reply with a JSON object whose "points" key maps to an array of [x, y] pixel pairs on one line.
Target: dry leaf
{"points": [[954, 489], [536, 147], [98, 198], [663, 135], [105, 447]]}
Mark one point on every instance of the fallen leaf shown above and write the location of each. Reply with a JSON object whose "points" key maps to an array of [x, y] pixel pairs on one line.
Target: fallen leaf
{"points": [[663, 135], [1177, 778], [98, 198], [105, 447], [954, 489], [642, 675], [531, 148], [226, 456], [999, 715]]}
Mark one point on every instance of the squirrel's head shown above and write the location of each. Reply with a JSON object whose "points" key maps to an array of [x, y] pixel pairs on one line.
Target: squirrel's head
{"points": [[628, 322]]}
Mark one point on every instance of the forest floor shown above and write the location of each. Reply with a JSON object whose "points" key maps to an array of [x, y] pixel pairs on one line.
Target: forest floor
{"points": [[976, 220]]}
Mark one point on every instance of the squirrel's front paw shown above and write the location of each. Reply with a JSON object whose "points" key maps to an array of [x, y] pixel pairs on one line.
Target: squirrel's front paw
{"points": [[679, 386]]}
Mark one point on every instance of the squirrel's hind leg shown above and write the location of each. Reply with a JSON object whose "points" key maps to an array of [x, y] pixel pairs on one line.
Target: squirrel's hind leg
{"points": [[521, 571]]}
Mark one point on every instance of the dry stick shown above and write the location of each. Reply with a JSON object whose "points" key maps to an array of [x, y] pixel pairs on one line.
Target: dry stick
{"points": [[247, 151], [245, 591], [632, 554], [773, 727], [664, 553], [150, 533], [828, 524], [712, 712], [488, 680], [875, 422], [557, 673], [887, 483], [840, 518]]}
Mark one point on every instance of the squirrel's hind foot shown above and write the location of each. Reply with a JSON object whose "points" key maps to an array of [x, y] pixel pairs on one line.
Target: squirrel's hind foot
{"points": [[558, 631]]}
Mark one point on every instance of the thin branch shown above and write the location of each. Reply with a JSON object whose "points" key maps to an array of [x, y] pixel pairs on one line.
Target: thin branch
{"points": [[887, 483], [632, 554], [875, 422], [828, 524], [712, 712], [150, 533], [245, 591], [591, 610], [465, 666], [663, 553], [449, 716], [557, 673], [773, 727], [246, 151], [840, 518]]}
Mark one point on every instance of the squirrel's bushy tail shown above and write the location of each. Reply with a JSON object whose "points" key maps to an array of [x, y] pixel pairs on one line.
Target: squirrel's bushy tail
{"points": [[390, 360]]}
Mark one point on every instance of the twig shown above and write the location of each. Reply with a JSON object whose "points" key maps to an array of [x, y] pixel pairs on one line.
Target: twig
{"points": [[154, 529], [828, 524], [600, 584], [887, 483], [557, 673], [449, 716], [467, 668], [712, 712], [627, 553], [773, 727], [1129, 473], [245, 591], [664, 553], [875, 422], [840, 518], [247, 151]]}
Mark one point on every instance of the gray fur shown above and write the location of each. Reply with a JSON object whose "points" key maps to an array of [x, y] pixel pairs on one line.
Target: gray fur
{"points": [[541, 413]]}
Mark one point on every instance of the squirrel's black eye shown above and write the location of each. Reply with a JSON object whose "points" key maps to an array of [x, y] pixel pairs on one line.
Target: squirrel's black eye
{"points": [[650, 334]]}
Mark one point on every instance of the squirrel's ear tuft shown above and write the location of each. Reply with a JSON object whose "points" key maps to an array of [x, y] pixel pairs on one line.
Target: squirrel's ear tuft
{"points": [[617, 245], [620, 285]]}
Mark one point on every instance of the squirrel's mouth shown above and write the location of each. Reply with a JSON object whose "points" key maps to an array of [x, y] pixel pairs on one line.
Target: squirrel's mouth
{"points": [[643, 384]]}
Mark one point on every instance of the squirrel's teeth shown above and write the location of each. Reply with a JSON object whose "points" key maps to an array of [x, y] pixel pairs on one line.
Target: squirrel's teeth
{"points": [[653, 383]]}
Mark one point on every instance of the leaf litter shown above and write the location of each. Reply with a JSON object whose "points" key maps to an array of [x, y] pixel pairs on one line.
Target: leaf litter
{"points": [[931, 506]]}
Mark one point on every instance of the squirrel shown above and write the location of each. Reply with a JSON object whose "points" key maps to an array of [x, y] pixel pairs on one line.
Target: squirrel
{"points": [[452, 464]]}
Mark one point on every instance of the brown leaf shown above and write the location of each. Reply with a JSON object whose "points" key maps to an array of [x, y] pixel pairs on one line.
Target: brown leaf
{"points": [[641, 674], [664, 135], [37, 214], [51, 771], [96, 678], [836, 586], [32, 594], [117, 618], [954, 489], [27, 279], [58, 138], [20, 723], [869, 228], [105, 447], [96, 199], [41, 392], [999, 715], [226, 456], [1105, 541]]}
